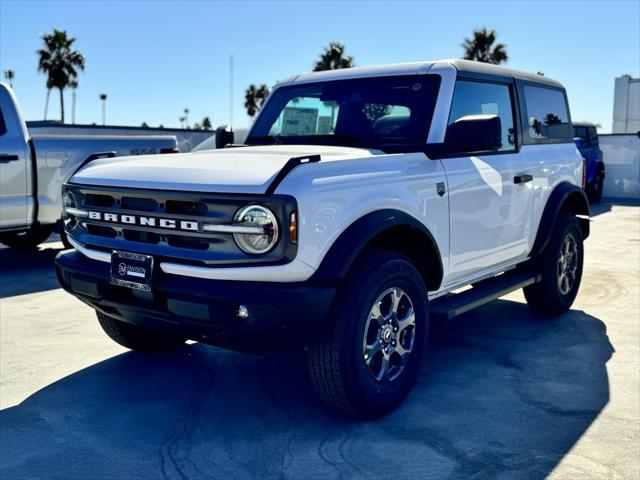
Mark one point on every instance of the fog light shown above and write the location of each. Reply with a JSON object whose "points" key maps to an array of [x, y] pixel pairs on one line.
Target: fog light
{"points": [[242, 312]]}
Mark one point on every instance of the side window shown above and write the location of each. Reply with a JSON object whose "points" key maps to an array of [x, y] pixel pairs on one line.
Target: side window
{"points": [[581, 133], [593, 137], [547, 115], [474, 98], [3, 126]]}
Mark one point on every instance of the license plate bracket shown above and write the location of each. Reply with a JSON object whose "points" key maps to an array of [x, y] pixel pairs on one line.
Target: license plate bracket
{"points": [[132, 270]]}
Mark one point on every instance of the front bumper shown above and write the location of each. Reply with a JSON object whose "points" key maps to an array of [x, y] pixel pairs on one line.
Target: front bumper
{"points": [[201, 309]]}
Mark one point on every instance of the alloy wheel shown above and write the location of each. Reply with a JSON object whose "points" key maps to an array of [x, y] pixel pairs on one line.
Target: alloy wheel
{"points": [[389, 335]]}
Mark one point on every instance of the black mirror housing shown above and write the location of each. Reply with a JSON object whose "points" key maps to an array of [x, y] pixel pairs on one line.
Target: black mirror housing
{"points": [[224, 136], [474, 133]]}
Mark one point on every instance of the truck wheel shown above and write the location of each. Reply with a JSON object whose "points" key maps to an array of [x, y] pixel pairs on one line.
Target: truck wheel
{"points": [[370, 355], [561, 267], [137, 338], [27, 240], [595, 189]]}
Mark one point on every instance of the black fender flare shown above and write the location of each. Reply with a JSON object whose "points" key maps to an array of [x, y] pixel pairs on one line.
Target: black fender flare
{"points": [[360, 234], [565, 196]]}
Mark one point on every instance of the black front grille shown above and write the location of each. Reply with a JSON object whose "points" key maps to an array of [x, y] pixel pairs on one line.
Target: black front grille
{"points": [[182, 209]]}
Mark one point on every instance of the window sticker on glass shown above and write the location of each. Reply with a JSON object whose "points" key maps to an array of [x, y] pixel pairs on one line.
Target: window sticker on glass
{"points": [[324, 125], [299, 121]]}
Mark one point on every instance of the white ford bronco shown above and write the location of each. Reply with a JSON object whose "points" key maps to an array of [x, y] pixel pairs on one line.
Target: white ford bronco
{"points": [[361, 204]]}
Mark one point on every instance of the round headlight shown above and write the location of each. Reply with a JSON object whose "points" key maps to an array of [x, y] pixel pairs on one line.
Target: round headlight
{"points": [[256, 216], [68, 200]]}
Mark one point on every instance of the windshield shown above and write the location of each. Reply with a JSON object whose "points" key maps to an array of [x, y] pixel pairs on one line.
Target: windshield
{"points": [[389, 113]]}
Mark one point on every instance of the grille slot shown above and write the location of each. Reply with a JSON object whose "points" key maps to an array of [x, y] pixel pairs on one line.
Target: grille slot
{"points": [[140, 236], [101, 231], [96, 200], [180, 207], [141, 204], [187, 242]]}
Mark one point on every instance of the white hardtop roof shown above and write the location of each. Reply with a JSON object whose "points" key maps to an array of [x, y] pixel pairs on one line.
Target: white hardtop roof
{"points": [[414, 68]]}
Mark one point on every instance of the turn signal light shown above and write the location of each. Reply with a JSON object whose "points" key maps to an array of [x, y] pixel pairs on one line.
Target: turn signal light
{"points": [[293, 227]]}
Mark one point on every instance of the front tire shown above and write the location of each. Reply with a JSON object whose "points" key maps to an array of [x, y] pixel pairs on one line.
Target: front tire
{"points": [[561, 267], [137, 338], [370, 356]]}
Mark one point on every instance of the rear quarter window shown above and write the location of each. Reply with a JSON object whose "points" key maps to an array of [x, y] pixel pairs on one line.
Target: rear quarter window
{"points": [[547, 115]]}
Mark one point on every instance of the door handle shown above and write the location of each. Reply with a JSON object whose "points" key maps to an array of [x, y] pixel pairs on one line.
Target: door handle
{"points": [[518, 179], [6, 158]]}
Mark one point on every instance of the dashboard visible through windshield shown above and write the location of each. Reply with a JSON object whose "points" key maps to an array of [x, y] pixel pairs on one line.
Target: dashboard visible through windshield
{"points": [[387, 113]]}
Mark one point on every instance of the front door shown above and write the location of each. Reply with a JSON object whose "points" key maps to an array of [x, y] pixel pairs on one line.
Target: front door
{"points": [[491, 193]]}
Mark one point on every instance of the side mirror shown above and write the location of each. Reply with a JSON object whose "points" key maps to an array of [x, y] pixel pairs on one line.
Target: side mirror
{"points": [[579, 143], [474, 133], [224, 136]]}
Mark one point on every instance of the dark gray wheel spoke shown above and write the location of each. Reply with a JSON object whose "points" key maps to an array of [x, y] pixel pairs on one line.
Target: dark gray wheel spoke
{"points": [[384, 369], [389, 334], [567, 264], [408, 320], [371, 351]]}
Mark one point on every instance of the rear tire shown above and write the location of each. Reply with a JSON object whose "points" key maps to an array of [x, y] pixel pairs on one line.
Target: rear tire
{"points": [[561, 267], [29, 239], [370, 356], [137, 338], [595, 188]]}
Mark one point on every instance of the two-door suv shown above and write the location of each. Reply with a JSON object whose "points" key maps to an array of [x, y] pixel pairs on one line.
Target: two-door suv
{"points": [[361, 204]]}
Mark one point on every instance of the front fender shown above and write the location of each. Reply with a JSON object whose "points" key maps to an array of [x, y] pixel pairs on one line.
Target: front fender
{"points": [[363, 232]]}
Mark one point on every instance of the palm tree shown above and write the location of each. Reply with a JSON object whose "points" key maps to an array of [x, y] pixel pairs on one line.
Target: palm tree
{"points": [[103, 99], [254, 98], [186, 118], [206, 123], [481, 48], [60, 62], [73, 84], [9, 75], [333, 58]]}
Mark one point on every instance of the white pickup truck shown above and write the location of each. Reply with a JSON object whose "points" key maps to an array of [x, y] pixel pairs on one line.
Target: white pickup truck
{"points": [[33, 169]]}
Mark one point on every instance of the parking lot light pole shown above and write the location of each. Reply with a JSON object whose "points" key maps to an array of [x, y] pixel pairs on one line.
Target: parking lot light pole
{"points": [[103, 97]]}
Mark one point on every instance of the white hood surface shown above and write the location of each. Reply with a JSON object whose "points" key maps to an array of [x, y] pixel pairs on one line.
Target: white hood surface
{"points": [[230, 170]]}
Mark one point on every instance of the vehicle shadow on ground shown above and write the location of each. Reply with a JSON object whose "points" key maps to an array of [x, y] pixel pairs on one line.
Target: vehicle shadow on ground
{"points": [[30, 271], [502, 395], [606, 204]]}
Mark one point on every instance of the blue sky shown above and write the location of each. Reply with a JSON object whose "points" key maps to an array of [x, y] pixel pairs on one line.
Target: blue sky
{"points": [[155, 58]]}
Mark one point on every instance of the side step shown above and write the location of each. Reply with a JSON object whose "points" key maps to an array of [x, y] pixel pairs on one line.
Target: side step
{"points": [[452, 305]]}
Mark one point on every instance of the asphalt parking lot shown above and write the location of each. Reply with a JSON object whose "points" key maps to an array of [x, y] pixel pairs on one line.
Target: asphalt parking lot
{"points": [[502, 394]]}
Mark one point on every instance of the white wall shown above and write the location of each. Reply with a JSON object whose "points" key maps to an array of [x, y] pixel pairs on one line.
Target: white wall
{"points": [[621, 155], [626, 105]]}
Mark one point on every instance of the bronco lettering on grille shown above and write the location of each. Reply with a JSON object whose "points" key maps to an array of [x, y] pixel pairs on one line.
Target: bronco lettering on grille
{"points": [[158, 222]]}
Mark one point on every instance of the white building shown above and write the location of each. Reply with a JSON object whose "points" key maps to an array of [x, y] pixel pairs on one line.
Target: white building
{"points": [[626, 105]]}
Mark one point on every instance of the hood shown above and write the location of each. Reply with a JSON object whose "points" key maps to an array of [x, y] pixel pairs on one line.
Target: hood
{"points": [[231, 170]]}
